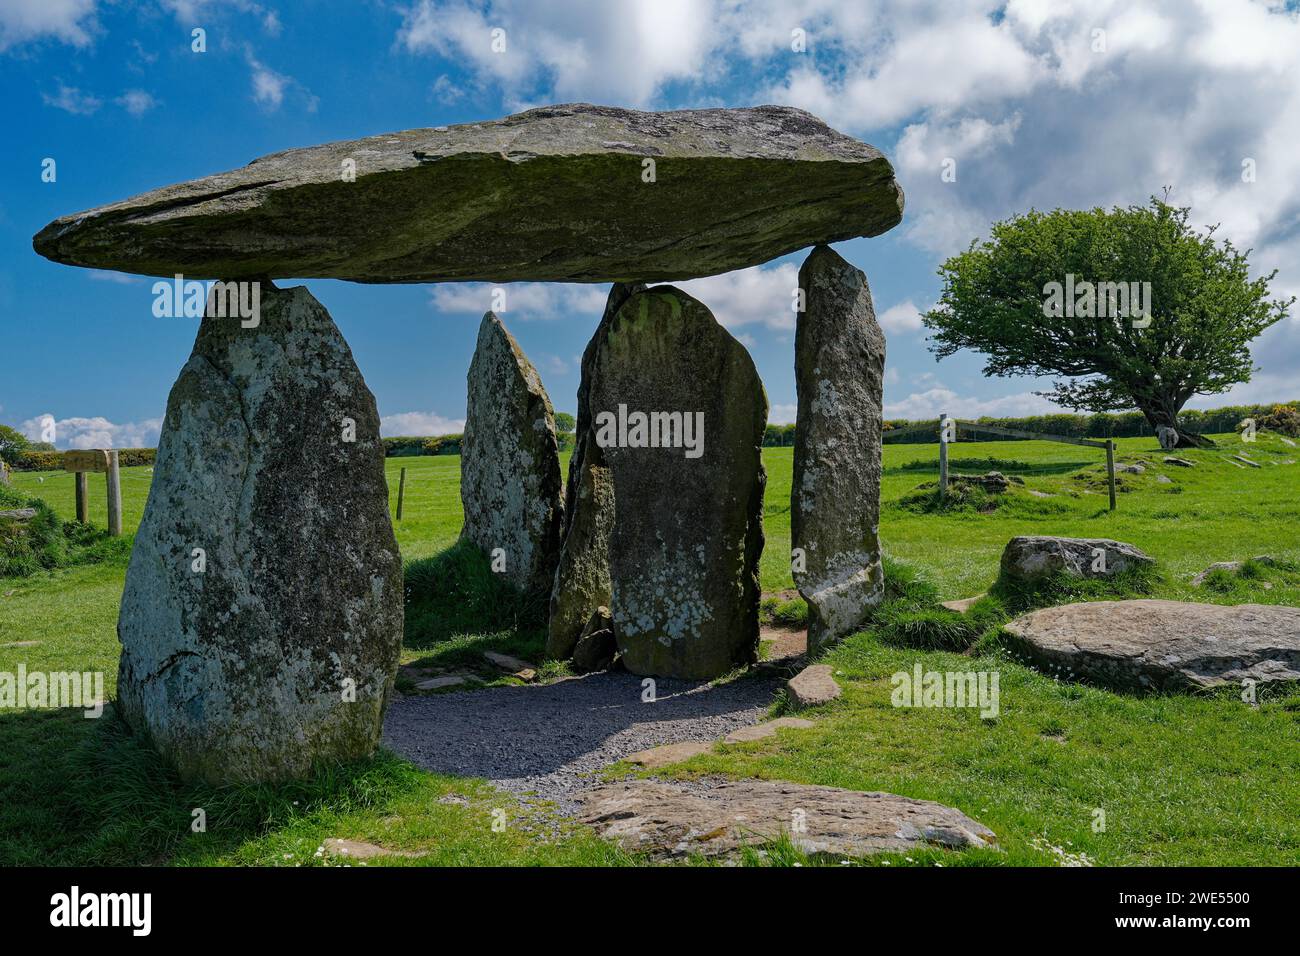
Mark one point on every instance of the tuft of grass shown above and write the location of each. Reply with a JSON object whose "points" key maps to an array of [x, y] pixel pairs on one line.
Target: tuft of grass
{"points": [[1018, 596], [44, 543], [780, 611], [455, 593]]}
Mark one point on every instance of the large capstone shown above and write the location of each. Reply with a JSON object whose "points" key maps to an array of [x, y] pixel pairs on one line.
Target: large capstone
{"points": [[510, 464], [582, 578], [678, 413], [262, 618], [574, 193], [835, 496]]}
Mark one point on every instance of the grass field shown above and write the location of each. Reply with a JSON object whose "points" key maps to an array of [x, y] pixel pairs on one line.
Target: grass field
{"points": [[1181, 780]]}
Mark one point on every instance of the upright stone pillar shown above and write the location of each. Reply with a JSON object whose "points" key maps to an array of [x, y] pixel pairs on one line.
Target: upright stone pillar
{"points": [[835, 496], [262, 617], [582, 578], [510, 464], [678, 412]]}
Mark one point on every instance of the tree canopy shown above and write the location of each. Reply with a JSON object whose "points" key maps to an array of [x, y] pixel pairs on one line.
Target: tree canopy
{"points": [[1132, 307]]}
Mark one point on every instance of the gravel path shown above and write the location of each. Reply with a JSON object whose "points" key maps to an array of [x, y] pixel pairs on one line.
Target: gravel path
{"points": [[543, 739]]}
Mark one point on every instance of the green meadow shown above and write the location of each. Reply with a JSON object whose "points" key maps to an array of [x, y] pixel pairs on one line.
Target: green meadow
{"points": [[1178, 780]]}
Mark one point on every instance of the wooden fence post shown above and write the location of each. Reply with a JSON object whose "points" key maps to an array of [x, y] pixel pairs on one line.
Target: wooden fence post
{"points": [[401, 493], [943, 456], [114, 482], [1110, 469], [83, 507]]}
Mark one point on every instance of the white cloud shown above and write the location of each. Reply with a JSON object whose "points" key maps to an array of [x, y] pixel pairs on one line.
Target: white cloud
{"points": [[95, 432], [270, 87], [782, 414], [23, 21], [419, 423], [71, 100], [578, 50], [901, 318], [524, 301], [136, 102], [760, 294], [932, 402]]}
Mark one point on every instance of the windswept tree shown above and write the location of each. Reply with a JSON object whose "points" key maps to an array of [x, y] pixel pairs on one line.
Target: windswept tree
{"points": [[1133, 307]]}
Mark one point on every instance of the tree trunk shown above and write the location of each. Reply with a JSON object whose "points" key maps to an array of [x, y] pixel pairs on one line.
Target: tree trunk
{"points": [[1162, 415]]}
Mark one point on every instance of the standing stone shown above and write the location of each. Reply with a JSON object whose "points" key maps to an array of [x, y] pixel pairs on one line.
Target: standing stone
{"points": [[262, 617], [510, 463], [582, 578], [687, 533], [835, 496]]}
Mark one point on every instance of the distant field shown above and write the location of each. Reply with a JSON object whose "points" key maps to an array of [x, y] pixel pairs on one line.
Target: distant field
{"points": [[1215, 512]]}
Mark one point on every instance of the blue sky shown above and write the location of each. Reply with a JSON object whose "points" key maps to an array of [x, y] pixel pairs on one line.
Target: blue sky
{"points": [[1062, 104]]}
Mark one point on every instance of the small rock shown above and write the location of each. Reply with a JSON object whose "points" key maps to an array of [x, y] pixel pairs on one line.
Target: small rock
{"points": [[20, 643], [1164, 480], [666, 754], [511, 665], [813, 685], [595, 651], [766, 729], [963, 605], [1180, 462], [1040, 494], [1232, 566], [1130, 469], [1246, 461], [18, 514]]}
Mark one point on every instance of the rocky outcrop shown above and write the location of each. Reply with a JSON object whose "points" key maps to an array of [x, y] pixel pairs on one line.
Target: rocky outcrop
{"points": [[510, 464], [673, 820], [262, 617], [1031, 558], [679, 412], [1163, 645], [835, 495], [575, 193], [582, 578]]}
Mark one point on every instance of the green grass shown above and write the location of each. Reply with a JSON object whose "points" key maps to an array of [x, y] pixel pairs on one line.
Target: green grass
{"points": [[1182, 780]]}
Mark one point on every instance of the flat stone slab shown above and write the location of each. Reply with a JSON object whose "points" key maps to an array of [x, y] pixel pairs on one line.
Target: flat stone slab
{"points": [[813, 685], [764, 730], [575, 193], [666, 754], [511, 665], [668, 819], [360, 850], [447, 680], [1163, 645]]}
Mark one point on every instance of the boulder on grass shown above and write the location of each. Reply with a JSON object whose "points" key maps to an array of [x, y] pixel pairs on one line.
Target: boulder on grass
{"points": [[1031, 558], [1163, 645]]}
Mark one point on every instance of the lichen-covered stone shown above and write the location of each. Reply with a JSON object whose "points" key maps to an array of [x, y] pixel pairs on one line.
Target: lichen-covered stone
{"points": [[559, 193], [835, 495], [510, 464], [262, 617], [582, 578], [1162, 645], [1035, 557], [687, 533]]}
